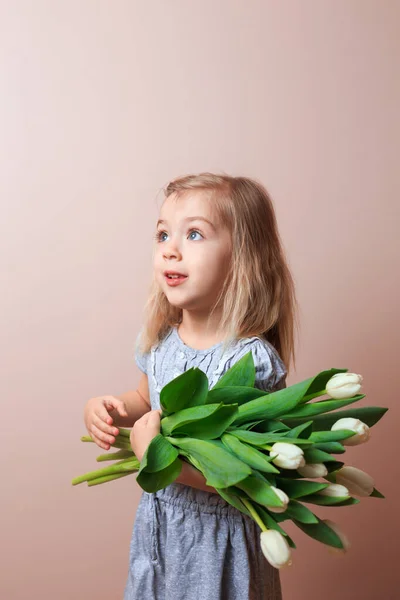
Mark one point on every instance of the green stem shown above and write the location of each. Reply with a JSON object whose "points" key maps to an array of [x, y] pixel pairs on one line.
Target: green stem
{"points": [[99, 480], [121, 443], [312, 396], [115, 455], [124, 432], [254, 514], [128, 464]]}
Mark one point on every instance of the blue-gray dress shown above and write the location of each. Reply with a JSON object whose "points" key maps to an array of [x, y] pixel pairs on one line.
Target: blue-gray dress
{"points": [[189, 544]]}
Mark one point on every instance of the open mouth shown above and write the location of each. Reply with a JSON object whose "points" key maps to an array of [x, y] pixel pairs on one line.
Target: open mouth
{"points": [[175, 279]]}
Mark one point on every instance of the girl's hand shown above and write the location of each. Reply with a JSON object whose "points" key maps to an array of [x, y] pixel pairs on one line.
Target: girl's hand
{"points": [[99, 422], [143, 431]]}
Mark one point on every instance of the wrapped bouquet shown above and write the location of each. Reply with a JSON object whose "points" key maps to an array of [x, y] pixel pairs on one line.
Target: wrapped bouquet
{"points": [[262, 452]]}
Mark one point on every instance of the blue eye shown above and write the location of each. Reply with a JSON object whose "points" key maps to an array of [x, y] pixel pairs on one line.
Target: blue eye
{"points": [[160, 233]]}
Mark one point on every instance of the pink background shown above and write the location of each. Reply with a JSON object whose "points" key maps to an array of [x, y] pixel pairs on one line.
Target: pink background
{"points": [[101, 104]]}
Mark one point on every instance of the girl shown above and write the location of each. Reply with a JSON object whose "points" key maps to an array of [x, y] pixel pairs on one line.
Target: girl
{"points": [[221, 288]]}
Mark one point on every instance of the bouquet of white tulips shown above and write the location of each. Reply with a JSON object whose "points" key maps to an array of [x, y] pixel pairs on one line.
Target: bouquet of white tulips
{"points": [[261, 451]]}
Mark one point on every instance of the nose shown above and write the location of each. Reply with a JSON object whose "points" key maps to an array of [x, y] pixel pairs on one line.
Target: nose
{"points": [[170, 250]]}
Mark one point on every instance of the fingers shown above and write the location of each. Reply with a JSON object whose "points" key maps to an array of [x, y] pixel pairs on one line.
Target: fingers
{"points": [[101, 412], [102, 439], [109, 429], [112, 402]]}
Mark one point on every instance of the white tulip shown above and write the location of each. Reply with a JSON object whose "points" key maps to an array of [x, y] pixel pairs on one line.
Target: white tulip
{"points": [[334, 489], [361, 429], [344, 539], [344, 385], [287, 456], [356, 481], [275, 548], [282, 496], [313, 470]]}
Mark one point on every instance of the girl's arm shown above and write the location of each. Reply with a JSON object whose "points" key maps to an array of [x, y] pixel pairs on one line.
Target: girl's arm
{"points": [[192, 477], [144, 430], [136, 402]]}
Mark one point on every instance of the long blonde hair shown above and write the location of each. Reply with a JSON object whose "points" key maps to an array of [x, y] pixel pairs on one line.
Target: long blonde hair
{"points": [[258, 295]]}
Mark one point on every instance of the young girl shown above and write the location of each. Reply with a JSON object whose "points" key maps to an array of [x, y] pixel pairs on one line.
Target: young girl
{"points": [[232, 293]]}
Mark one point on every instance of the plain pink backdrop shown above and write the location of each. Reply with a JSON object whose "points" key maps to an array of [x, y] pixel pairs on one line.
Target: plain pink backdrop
{"points": [[101, 104]]}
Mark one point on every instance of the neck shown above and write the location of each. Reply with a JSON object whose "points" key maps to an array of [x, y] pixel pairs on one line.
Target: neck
{"points": [[198, 327]]}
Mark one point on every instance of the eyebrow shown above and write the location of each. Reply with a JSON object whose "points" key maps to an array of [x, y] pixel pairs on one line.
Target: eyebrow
{"points": [[160, 221]]}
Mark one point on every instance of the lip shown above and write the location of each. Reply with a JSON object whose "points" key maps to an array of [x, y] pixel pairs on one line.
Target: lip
{"points": [[174, 282], [171, 272]]}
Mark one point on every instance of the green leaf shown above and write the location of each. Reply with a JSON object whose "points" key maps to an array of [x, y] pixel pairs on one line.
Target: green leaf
{"points": [[252, 457], [298, 511], [259, 491], [368, 414], [247, 426], [274, 404], [260, 439], [313, 455], [270, 522], [152, 482], [316, 408], [220, 468], [330, 500], [318, 383], [207, 427], [333, 447], [376, 494], [186, 390], [159, 455], [331, 436], [205, 422], [270, 478], [268, 425], [321, 532], [303, 430], [242, 373], [233, 394], [233, 499], [298, 488]]}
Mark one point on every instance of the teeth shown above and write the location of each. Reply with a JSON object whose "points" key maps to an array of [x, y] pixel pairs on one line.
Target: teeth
{"points": [[174, 276]]}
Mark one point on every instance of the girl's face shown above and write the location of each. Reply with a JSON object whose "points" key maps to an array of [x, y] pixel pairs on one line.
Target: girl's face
{"points": [[193, 247]]}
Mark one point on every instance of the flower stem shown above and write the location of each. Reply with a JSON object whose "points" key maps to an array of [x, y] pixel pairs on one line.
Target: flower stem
{"points": [[106, 478], [254, 514], [312, 396], [124, 432], [116, 455], [128, 464]]}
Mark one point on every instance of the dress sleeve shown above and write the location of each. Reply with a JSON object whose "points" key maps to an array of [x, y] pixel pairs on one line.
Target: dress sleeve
{"points": [[140, 359], [270, 370]]}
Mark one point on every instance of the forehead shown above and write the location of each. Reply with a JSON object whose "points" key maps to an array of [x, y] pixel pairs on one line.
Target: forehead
{"points": [[189, 204]]}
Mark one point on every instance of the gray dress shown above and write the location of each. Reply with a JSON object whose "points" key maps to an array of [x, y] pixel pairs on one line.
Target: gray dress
{"points": [[189, 544]]}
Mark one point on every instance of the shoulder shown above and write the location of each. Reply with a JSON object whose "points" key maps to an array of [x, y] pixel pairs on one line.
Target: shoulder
{"points": [[270, 370], [167, 345], [140, 357]]}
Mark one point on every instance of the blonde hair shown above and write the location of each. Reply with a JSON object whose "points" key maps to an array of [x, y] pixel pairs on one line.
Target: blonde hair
{"points": [[258, 295]]}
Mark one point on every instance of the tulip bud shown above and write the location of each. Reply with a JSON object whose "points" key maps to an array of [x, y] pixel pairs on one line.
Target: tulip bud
{"points": [[334, 489], [313, 470], [275, 548], [343, 385], [282, 496], [362, 430], [287, 456], [357, 481], [344, 539]]}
